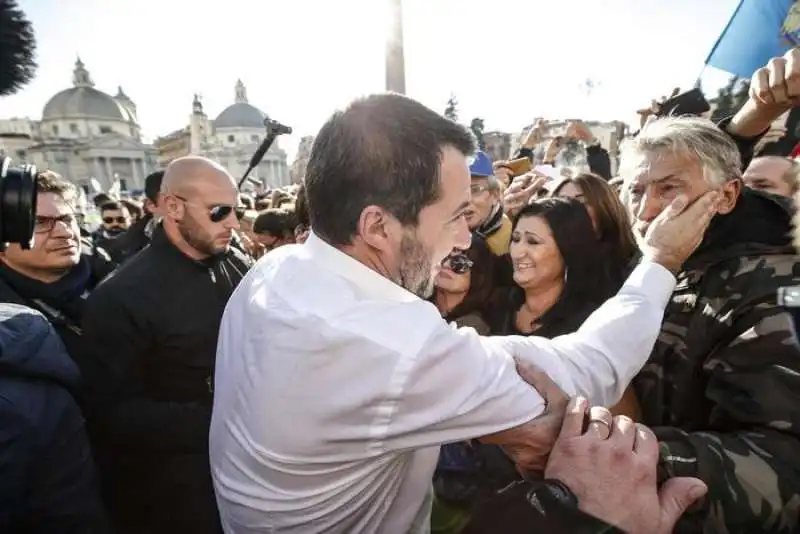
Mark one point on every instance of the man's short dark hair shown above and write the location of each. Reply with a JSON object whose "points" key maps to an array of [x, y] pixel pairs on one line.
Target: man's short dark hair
{"points": [[52, 182], [383, 150], [152, 186], [275, 221], [112, 206]]}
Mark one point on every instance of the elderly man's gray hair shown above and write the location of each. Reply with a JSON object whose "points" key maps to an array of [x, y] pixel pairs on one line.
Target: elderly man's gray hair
{"points": [[691, 137]]}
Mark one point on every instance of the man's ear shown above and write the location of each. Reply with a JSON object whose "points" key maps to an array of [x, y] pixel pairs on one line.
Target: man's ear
{"points": [[173, 208], [730, 194], [378, 229]]}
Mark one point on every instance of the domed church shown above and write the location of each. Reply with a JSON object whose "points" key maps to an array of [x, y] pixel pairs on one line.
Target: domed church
{"points": [[86, 133], [230, 139]]}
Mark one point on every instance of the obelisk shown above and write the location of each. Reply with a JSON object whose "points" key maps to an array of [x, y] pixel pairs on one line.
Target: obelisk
{"points": [[395, 60]]}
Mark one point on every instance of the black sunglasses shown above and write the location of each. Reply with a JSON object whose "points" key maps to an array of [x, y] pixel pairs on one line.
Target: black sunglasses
{"points": [[459, 263], [119, 220], [221, 212]]}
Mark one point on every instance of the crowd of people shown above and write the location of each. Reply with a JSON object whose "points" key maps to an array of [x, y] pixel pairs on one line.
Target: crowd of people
{"points": [[417, 339]]}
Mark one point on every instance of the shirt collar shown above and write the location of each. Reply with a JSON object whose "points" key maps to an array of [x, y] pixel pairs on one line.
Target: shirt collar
{"points": [[371, 283]]}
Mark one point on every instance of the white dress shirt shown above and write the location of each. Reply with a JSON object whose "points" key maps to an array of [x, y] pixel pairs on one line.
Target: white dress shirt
{"points": [[335, 387]]}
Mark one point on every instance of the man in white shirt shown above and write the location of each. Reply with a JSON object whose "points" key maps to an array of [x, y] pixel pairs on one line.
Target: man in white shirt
{"points": [[336, 382]]}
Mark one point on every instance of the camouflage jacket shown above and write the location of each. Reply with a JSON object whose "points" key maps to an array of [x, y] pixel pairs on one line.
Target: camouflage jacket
{"points": [[722, 388]]}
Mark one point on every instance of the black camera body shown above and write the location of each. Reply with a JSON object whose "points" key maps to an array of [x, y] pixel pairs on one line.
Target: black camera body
{"points": [[17, 203]]}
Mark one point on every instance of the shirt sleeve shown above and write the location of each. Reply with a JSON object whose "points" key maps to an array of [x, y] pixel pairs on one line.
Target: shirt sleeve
{"points": [[462, 385]]}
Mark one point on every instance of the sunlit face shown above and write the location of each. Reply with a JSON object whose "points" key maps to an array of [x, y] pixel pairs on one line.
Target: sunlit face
{"points": [[534, 254], [657, 180], [197, 213], [768, 174], [450, 281], [571, 190], [483, 200], [57, 246], [442, 227]]}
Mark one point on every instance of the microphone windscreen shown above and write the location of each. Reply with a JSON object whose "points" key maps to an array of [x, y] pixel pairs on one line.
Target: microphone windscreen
{"points": [[17, 48]]}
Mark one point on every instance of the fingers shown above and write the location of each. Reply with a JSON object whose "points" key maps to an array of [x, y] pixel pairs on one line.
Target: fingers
{"points": [[701, 209], [792, 77], [623, 432], [676, 207], [759, 86], [600, 422], [777, 77], [645, 442], [540, 380], [572, 427], [675, 497]]}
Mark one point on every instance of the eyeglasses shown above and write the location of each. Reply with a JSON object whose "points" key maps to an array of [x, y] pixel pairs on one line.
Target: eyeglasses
{"points": [[118, 220], [45, 225], [459, 263], [220, 212], [477, 189]]}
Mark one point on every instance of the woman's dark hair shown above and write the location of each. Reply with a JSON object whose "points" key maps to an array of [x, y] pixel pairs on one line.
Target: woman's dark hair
{"points": [[301, 207], [587, 283], [613, 224], [481, 282]]}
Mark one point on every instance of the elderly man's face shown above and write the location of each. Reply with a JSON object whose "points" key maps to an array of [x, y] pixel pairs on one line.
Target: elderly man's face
{"points": [[770, 174], [655, 180]]}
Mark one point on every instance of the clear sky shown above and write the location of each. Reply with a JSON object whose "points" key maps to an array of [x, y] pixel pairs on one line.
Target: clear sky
{"points": [[507, 61]]}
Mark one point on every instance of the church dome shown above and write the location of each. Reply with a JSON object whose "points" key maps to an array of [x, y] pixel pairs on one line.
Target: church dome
{"points": [[84, 101], [240, 114]]}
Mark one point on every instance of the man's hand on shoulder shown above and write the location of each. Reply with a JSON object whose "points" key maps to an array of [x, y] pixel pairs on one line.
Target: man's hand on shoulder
{"points": [[529, 445]]}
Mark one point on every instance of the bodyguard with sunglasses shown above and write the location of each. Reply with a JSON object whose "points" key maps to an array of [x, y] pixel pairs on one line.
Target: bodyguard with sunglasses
{"points": [[153, 328]]}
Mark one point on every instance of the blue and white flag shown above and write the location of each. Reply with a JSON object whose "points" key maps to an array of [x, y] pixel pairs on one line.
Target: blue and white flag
{"points": [[758, 31]]}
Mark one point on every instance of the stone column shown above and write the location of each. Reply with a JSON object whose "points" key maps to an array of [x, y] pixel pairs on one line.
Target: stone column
{"points": [[137, 180], [109, 173], [144, 170], [98, 172]]}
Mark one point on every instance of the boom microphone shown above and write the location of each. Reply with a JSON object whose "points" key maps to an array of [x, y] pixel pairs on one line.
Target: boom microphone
{"points": [[274, 129], [17, 48]]}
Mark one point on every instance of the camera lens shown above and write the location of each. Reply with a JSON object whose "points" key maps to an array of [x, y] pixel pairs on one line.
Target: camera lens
{"points": [[17, 203]]}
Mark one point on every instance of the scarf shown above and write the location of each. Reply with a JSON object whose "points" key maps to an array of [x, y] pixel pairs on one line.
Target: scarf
{"points": [[66, 295], [492, 223]]}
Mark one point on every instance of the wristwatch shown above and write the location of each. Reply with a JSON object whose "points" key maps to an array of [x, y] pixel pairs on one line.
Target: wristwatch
{"points": [[552, 493], [558, 507]]}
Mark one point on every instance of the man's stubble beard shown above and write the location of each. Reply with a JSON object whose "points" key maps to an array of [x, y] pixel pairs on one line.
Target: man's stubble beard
{"points": [[415, 268], [196, 237]]}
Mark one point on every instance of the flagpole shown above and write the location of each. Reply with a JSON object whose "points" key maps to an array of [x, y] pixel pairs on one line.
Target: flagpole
{"points": [[716, 44]]}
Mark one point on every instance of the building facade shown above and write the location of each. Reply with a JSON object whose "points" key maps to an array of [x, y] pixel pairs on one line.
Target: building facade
{"points": [[83, 134], [297, 173], [498, 145], [231, 139]]}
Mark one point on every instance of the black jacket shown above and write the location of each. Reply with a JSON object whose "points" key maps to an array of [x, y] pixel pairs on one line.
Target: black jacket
{"points": [[47, 477], [132, 241], [151, 329]]}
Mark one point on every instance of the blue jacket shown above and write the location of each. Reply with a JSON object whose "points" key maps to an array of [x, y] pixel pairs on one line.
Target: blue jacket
{"points": [[47, 476]]}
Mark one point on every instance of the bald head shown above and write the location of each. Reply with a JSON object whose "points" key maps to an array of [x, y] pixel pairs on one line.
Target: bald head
{"points": [[188, 174], [200, 206]]}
